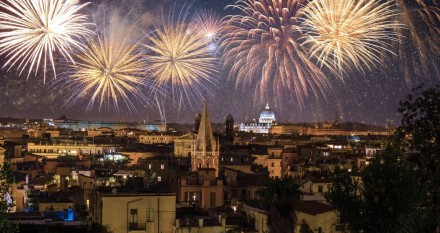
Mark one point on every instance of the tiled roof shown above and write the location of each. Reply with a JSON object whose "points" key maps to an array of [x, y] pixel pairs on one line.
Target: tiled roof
{"points": [[313, 207], [38, 181]]}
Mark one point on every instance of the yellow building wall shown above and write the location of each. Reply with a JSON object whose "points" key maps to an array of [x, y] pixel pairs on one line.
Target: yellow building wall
{"points": [[275, 170], [326, 221], [325, 188], [115, 212]]}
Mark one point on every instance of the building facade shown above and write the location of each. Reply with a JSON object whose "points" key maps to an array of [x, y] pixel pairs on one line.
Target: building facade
{"points": [[76, 125], [183, 145], [156, 139], [73, 149], [264, 123], [131, 211]]}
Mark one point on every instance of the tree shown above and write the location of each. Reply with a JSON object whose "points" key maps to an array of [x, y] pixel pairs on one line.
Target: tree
{"points": [[419, 136], [279, 198], [6, 180], [345, 194], [391, 195], [305, 228], [384, 198]]}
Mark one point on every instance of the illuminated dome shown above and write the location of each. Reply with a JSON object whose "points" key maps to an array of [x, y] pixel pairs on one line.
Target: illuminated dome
{"points": [[267, 116]]}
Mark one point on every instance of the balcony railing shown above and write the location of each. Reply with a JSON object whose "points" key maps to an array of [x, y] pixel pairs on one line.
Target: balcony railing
{"points": [[189, 204]]}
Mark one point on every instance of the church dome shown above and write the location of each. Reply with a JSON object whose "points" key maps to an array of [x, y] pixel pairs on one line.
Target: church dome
{"points": [[267, 116]]}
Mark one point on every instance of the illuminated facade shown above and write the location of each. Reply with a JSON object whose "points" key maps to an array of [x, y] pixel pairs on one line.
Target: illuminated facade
{"points": [[75, 149], [156, 139], [183, 145], [265, 122], [88, 125]]}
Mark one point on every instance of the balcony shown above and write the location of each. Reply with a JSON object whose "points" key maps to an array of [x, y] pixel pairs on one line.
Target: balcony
{"points": [[189, 204]]}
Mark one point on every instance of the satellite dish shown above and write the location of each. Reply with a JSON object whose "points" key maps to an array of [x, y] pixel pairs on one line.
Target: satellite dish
{"points": [[115, 190]]}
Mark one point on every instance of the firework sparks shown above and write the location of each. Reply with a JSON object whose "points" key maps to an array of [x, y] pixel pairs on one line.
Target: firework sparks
{"points": [[261, 45], [422, 19], [349, 33], [32, 31], [180, 58], [111, 70], [209, 24]]}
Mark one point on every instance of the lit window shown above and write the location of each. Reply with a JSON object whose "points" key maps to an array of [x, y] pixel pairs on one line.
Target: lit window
{"points": [[149, 166], [150, 215], [162, 166], [133, 219], [159, 178]]}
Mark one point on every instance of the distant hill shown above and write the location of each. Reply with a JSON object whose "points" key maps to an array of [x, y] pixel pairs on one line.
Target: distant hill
{"points": [[186, 127], [347, 126], [356, 126]]}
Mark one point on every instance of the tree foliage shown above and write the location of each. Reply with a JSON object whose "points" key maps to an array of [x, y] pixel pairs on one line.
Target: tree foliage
{"points": [[384, 198], [305, 228], [279, 198], [345, 194], [399, 190], [419, 136], [6, 180]]}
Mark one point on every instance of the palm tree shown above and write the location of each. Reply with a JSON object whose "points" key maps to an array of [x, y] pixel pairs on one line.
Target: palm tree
{"points": [[279, 198]]}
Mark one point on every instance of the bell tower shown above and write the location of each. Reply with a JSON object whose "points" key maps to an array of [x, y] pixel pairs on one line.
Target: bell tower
{"points": [[206, 148]]}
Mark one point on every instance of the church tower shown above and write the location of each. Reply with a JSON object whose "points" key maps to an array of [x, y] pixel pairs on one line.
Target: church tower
{"points": [[197, 120], [205, 149]]}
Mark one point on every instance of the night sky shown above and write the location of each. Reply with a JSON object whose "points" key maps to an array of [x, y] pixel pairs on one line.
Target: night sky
{"points": [[371, 97]]}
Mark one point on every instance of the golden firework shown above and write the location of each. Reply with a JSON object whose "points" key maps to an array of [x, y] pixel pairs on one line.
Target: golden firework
{"points": [[32, 31], [341, 34], [261, 48], [179, 58], [110, 71]]}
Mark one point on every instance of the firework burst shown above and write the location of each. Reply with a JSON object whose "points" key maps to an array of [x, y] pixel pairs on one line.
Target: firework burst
{"points": [[32, 31], [110, 70], [341, 34], [209, 24], [422, 19], [261, 46], [179, 59]]}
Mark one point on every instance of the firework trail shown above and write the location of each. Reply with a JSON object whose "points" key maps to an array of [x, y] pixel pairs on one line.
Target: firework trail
{"points": [[345, 34], [419, 51], [110, 70], [179, 58], [262, 47], [33, 31]]}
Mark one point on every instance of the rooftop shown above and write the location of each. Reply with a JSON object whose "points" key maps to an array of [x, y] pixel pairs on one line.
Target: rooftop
{"points": [[313, 207]]}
